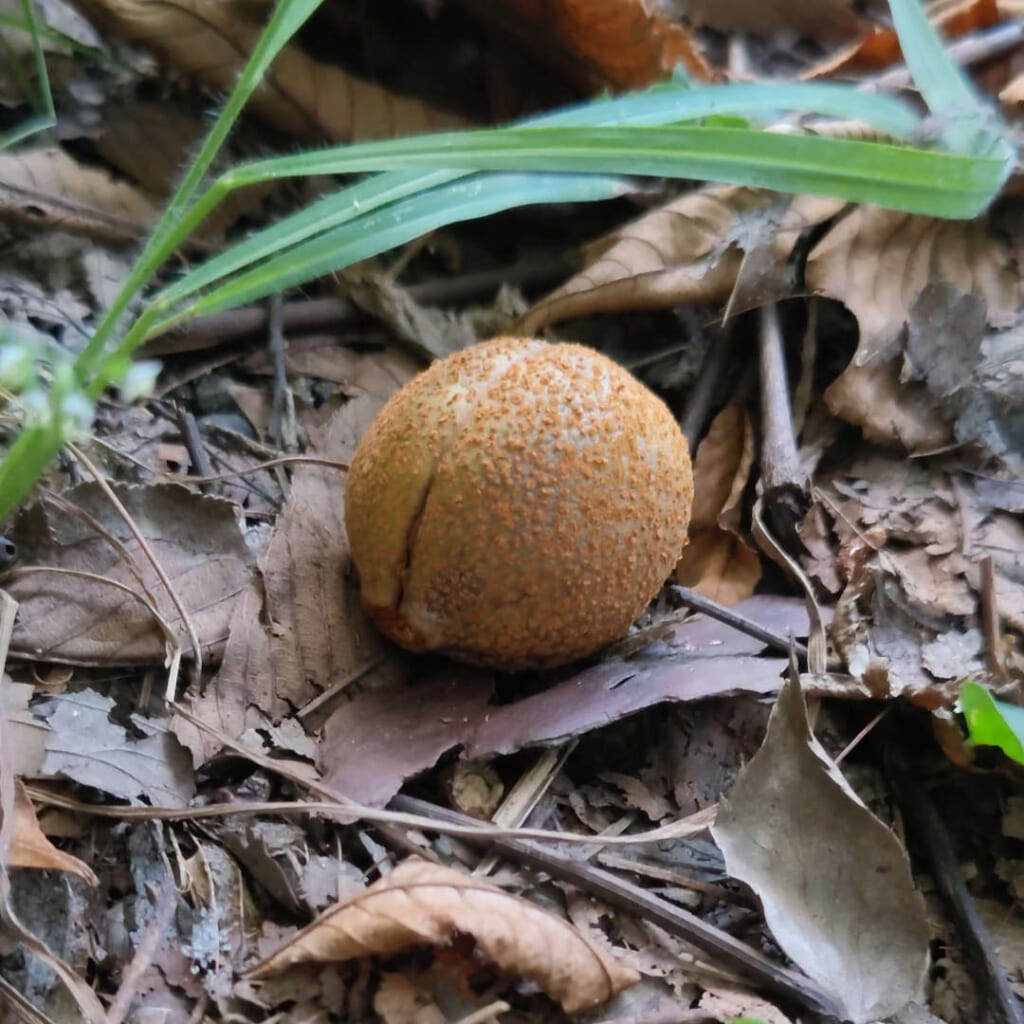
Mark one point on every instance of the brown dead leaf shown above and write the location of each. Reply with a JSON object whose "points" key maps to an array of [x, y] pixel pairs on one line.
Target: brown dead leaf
{"points": [[687, 251], [717, 562], [878, 263], [24, 733], [298, 95], [427, 904], [31, 849], [881, 46], [319, 634], [819, 19], [67, 618], [301, 629], [84, 744], [149, 143], [834, 881], [46, 188], [383, 736], [626, 44]]}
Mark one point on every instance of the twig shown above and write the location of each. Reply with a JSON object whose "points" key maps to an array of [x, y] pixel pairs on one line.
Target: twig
{"points": [[524, 796], [194, 445], [485, 1013], [131, 977], [783, 484], [29, 1013], [968, 50], [935, 846], [645, 905], [733, 618], [991, 628], [658, 873]]}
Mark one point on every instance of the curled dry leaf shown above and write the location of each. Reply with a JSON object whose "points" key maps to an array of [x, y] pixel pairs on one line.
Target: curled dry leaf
{"points": [[878, 263], [46, 187], [31, 849], [298, 94], [717, 562], [687, 251], [693, 249], [427, 904], [836, 885]]}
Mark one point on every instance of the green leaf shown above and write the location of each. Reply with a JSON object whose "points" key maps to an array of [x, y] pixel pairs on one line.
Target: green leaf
{"points": [[992, 723]]}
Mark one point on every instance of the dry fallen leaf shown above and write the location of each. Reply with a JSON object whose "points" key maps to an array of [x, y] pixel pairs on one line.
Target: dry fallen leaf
{"points": [[69, 618], [47, 188], [298, 95], [717, 562], [687, 251], [24, 733], [835, 883], [85, 745], [31, 849], [428, 904], [385, 735], [878, 263], [149, 142]]}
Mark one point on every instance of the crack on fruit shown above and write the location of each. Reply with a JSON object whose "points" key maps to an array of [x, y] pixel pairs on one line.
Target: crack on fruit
{"points": [[417, 517], [410, 536]]}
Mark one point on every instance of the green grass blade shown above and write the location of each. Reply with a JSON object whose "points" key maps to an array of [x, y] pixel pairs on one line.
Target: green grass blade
{"points": [[42, 76], [398, 223], [904, 178], [656, 106], [969, 123], [286, 19], [992, 723]]}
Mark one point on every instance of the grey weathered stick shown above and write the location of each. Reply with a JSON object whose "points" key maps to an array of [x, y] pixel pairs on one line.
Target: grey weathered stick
{"points": [[740, 957], [780, 462], [927, 827], [739, 622]]}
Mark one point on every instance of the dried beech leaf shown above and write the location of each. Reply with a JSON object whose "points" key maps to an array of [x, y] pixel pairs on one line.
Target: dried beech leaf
{"points": [[886, 409], [31, 849], [688, 251], [72, 619], [623, 43], [150, 142], [47, 188], [877, 262], [298, 95], [427, 904], [716, 562], [819, 19], [881, 264], [834, 881], [719, 565]]}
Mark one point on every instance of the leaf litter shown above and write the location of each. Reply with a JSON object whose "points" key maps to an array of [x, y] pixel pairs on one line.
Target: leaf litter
{"points": [[920, 559]]}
